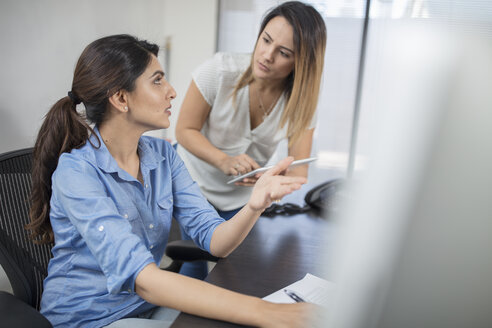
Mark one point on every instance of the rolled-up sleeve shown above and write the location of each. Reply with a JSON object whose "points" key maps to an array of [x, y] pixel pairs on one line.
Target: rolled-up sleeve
{"points": [[81, 192], [191, 209]]}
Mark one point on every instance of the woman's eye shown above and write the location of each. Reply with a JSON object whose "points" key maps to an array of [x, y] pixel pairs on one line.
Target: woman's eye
{"points": [[266, 40], [158, 81], [284, 54]]}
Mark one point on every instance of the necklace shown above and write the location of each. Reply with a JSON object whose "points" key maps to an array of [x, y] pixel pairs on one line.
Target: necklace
{"points": [[262, 107]]}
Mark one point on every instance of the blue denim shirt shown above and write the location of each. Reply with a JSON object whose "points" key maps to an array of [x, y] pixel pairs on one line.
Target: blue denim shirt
{"points": [[108, 227]]}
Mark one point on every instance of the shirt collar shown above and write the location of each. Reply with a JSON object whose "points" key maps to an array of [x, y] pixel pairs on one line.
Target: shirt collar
{"points": [[149, 158]]}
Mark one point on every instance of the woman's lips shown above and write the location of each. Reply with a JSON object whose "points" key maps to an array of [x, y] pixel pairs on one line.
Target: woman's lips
{"points": [[263, 67]]}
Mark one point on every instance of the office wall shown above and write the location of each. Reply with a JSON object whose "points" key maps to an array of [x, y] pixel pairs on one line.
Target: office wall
{"points": [[41, 42], [192, 27]]}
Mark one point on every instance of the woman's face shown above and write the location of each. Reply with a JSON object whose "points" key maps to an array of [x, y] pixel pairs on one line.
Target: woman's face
{"points": [[150, 101], [274, 53]]}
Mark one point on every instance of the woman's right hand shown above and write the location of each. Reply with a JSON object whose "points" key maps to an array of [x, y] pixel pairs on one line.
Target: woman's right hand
{"points": [[297, 315], [240, 164]]}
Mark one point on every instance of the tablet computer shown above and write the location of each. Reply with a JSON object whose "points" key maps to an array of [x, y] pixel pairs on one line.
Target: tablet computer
{"points": [[266, 168]]}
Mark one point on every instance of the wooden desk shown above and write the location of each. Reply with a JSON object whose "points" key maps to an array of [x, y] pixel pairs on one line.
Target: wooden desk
{"points": [[277, 252]]}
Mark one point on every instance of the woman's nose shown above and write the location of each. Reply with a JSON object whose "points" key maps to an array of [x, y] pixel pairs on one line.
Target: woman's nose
{"points": [[171, 92], [268, 53]]}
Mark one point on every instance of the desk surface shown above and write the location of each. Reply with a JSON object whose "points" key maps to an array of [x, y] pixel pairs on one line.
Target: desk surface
{"points": [[277, 252]]}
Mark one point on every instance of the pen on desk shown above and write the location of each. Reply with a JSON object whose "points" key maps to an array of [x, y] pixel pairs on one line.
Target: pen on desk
{"points": [[294, 295]]}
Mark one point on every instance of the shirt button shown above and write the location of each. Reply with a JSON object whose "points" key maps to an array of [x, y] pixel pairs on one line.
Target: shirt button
{"points": [[151, 246], [125, 216], [146, 185], [101, 228], [151, 226]]}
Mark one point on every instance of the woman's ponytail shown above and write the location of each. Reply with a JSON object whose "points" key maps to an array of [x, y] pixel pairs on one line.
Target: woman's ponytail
{"points": [[63, 129]]}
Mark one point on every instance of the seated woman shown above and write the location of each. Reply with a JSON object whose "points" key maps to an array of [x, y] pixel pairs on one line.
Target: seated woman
{"points": [[106, 196], [240, 106]]}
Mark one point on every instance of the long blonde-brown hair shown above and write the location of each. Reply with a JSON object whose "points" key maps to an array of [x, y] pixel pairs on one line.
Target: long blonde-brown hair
{"points": [[303, 84]]}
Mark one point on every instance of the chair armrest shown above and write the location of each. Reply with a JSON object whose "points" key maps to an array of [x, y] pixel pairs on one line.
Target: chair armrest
{"points": [[186, 250], [16, 313]]}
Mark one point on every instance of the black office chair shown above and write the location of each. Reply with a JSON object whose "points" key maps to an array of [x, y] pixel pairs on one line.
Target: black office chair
{"points": [[25, 262]]}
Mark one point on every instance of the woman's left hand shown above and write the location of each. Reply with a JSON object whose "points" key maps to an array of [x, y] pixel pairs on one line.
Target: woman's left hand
{"points": [[273, 186]]}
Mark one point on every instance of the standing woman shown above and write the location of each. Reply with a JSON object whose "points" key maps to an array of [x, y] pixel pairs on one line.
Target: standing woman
{"points": [[106, 196], [238, 108]]}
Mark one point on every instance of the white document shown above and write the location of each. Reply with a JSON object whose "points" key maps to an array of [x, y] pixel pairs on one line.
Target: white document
{"points": [[310, 289], [266, 168]]}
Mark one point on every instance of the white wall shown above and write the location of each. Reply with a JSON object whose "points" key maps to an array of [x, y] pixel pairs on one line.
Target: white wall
{"points": [[192, 27], [42, 40]]}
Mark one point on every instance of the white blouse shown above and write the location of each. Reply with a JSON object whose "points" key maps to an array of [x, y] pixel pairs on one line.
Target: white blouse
{"points": [[228, 128]]}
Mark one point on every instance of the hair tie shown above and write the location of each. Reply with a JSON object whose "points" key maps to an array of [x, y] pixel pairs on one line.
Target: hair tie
{"points": [[74, 98]]}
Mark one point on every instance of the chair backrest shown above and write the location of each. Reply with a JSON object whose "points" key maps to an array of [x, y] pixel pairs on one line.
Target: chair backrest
{"points": [[24, 262]]}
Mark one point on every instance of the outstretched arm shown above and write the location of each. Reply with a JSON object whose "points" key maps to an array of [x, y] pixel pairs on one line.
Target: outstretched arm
{"points": [[270, 186], [200, 298]]}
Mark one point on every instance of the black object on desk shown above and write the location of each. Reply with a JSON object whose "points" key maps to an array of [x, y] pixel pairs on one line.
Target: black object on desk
{"points": [[319, 199]]}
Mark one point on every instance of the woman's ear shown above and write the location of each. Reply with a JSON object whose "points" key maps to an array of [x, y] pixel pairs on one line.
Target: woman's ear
{"points": [[119, 101]]}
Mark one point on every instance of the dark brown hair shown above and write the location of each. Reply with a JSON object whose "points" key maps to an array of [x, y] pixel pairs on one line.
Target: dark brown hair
{"points": [[303, 84], [106, 66]]}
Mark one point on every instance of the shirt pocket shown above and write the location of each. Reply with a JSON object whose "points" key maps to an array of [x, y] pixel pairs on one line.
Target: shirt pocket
{"points": [[165, 209], [131, 214]]}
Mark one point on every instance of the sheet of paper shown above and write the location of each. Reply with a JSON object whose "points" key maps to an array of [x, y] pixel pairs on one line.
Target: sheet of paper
{"points": [[310, 288]]}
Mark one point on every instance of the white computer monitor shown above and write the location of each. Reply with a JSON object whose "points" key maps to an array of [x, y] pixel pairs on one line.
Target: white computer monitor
{"points": [[415, 247]]}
